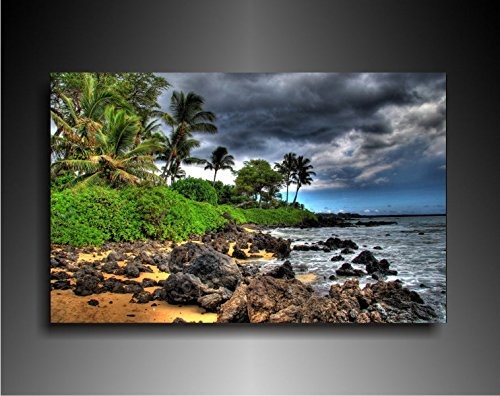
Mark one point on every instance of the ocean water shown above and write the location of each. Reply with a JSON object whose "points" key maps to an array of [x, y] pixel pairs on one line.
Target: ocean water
{"points": [[420, 259]]}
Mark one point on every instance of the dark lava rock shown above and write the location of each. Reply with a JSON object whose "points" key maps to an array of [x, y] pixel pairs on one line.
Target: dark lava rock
{"points": [[114, 285], [337, 258], [110, 267], [93, 302], [332, 277], [142, 297], [160, 294], [144, 258], [337, 243], [239, 254], [284, 271], [253, 249], [347, 251], [61, 285], [131, 271], [179, 320], [59, 275], [374, 223], [377, 248], [212, 302], [346, 269], [132, 286], [365, 257], [87, 270], [54, 263], [221, 245], [146, 282], [183, 288], [421, 233], [115, 256], [86, 285], [249, 269], [211, 267]]}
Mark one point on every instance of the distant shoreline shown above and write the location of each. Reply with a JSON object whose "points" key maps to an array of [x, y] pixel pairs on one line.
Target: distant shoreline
{"points": [[355, 215]]}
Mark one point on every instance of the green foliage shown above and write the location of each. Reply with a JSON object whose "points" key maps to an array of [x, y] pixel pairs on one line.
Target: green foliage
{"points": [[227, 194], [94, 215], [285, 216], [196, 189]]}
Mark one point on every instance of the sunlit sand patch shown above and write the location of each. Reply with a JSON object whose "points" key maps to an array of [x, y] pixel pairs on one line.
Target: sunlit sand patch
{"points": [[306, 278], [66, 307], [265, 256]]}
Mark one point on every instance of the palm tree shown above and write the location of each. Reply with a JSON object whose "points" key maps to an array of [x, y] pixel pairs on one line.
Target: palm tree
{"points": [[187, 117], [113, 158], [179, 153], [219, 159], [288, 169], [303, 174], [81, 116]]}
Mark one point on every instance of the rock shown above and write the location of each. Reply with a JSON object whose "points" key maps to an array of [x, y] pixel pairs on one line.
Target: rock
{"points": [[365, 257], [133, 287], [337, 243], [284, 271], [211, 267], [249, 269], [337, 258], [221, 245], [346, 269], [61, 285], [160, 294], [131, 270], [59, 275], [183, 288], [253, 249], [239, 254], [146, 282], [377, 247], [363, 317], [179, 320], [54, 263], [144, 258], [347, 251], [332, 277], [113, 285], [400, 304], [374, 223], [115, 256], [142, 297], [110, 266], [93, 302], [86, 285], [235, 309], [212, 302], [267, 296]]}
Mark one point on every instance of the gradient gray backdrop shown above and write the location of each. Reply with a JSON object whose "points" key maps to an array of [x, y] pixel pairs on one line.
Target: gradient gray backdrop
{"points": [[251, 36]]}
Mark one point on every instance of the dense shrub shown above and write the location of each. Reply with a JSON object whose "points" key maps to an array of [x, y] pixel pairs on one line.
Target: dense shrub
{"points": [[272, 217], [92, 216], [196, 189]]}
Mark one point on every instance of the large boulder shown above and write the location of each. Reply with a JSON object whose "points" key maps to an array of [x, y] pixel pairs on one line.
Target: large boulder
{"points": [[346, 269], [267, 296], [215, 270], [365, 257], [235, 309], [337, 243], [210, 266], [284, 271]]}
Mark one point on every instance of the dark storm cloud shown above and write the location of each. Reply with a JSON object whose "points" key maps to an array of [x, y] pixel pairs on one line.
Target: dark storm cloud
{"points": [[357, 128]]}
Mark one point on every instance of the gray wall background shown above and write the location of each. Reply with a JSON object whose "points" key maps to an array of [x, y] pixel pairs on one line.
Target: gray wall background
{"points": [[273, 35]]}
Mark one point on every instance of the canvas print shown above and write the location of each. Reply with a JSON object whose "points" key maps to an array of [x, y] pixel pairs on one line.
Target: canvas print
{"points": [[190, 198]]}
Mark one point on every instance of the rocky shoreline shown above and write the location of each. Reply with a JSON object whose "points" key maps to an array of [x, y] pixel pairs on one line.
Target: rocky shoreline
{"points": [[221, 274]]}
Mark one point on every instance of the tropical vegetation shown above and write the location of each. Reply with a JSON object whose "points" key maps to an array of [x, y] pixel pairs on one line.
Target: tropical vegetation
{"points": [[117, 165]]}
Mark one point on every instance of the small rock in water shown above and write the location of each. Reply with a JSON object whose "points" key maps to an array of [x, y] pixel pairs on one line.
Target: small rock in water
{"points": [[377, 248], [337, 258]]}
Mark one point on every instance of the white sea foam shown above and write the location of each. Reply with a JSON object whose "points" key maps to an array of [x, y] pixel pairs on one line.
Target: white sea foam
{"points": [[415, 247]]}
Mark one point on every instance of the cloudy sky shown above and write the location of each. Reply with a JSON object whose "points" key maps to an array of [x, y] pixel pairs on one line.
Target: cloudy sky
{"points": [[377, 141]]}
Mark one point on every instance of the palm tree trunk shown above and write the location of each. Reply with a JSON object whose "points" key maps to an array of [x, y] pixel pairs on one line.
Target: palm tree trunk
{"points": [[287, 185], [296, 193], [215, 175]]}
